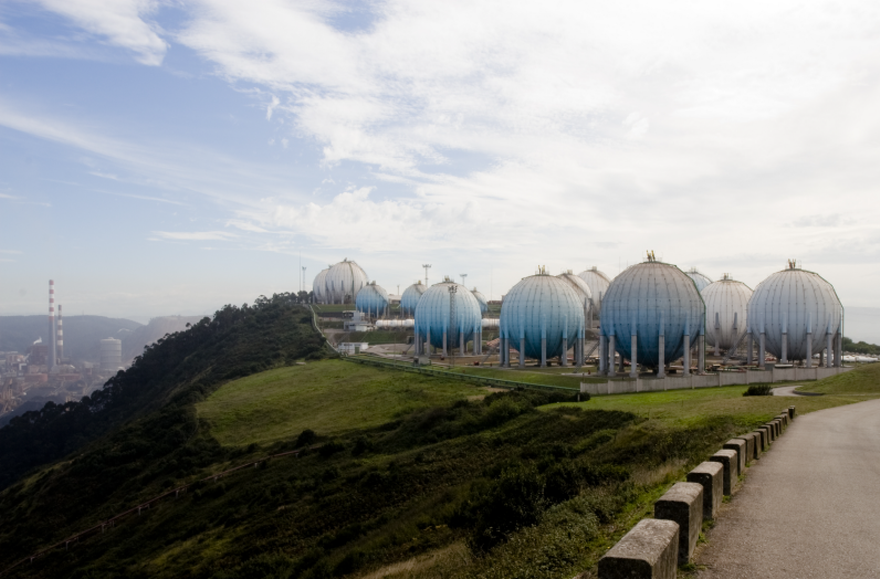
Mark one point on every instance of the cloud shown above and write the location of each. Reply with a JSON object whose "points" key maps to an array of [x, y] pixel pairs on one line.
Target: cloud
{"points": [[269, 109], [10, 251], [121, 22], [195, 235]]}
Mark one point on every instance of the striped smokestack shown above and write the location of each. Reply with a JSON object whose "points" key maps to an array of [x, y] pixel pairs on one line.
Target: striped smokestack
{"points": [[51, 324], [60, 337]]}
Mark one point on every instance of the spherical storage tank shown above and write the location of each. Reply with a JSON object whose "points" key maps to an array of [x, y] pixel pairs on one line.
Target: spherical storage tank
{"points": [[727, 306], [410, 298], [540, 307], [433, 314], [580, 287], [794, 302], [372, 300], [598, 283], [645, 298], [481, 299], [318, 286], [700, 279], [343, 281]]}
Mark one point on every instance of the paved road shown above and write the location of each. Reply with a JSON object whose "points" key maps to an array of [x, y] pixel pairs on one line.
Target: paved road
{"points": [[810, 507]]}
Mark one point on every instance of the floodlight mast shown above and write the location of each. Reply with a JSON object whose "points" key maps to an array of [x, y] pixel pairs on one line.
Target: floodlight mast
{"points": [[427, 266]]}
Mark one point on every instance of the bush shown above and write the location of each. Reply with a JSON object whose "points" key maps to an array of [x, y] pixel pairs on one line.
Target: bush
{"points": [[759, 390]]}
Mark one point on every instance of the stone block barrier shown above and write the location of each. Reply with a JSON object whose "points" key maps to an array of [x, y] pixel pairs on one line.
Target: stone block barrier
{"points": [[710, 475], [683, 503], [649, 550], [740, 446], [654, 548], [752, 443], [761, 442], [729, 461]]}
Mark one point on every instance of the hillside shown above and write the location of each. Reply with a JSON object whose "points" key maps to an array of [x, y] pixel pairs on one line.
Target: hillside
{"points": [[398, 475], [81, 333], [169, 377], [134, 343]]}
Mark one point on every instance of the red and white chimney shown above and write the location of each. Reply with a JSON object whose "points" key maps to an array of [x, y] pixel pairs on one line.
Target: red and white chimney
{"points": [[52, 330]]}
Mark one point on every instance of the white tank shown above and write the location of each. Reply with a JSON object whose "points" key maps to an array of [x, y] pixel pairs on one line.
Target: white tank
{"points": [[343, 282], [598, 283], [727, 307], [794, 302], [318, 287], [111, 354], [700, 279], [580, 287]]}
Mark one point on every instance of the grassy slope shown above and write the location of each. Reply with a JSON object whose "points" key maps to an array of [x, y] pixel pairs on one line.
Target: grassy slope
{"points": [[393, 503], [330, 397]]}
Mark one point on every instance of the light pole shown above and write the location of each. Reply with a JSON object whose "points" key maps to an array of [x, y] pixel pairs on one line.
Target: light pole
{"points": [[427, 266], [463, 275]]}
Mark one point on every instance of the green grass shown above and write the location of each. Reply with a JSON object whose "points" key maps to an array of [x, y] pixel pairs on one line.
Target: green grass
{"points": [[858, 383], [330, 397], [684, 407]]}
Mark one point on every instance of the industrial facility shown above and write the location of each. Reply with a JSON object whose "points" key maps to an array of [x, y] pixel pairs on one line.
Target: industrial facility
{"points": [[43, 373], [652, 321]]}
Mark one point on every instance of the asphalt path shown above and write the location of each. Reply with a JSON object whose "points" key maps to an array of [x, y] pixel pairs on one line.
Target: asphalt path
{"points": [[810, 507]]}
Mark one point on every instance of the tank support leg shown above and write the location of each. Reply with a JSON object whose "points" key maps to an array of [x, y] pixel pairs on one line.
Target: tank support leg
{"points": [[661, 360], [686, 362]]}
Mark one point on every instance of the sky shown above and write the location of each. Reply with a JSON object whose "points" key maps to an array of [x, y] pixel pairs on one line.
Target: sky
{"points": [[164, 157]]}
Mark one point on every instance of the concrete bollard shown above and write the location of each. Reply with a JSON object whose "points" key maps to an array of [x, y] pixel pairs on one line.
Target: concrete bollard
{"points": [[753, 442], [683, 503], [784, 418], [771, 430], [740, 446], [780, 426], [649, 551], [791, 412], [711, 475], [760, 441], [729, 459]]}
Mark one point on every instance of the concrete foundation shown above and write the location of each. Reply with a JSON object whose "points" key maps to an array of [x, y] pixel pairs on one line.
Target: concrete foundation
{"points": [[683, 503], [729, 461], [680, 382], [649, 550]]}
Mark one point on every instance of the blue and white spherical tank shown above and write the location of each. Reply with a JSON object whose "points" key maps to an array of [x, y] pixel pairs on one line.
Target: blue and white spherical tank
{"points": [[794, 302], [372, 300], [699, 278], [318, 287], [541, 307], [434, 316], [484, 303], [598, 283], [410, 298], [727, 312], [343, 281], [646, 299]]}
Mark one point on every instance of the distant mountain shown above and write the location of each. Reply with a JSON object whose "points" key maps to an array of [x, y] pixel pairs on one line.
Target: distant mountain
{"points": [[82, 334], [135, 342]]}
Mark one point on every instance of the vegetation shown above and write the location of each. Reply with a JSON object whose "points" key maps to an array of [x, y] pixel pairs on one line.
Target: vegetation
{"points": [[860, 347], [759, 390], [171, 375], [332, 397], [403, 475]]}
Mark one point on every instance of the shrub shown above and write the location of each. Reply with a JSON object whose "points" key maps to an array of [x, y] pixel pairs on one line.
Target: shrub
{"points": [[759, 390]]}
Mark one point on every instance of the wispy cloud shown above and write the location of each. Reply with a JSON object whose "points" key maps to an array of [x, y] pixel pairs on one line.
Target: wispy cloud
{"points": [[195, 235], [122, 23]]}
